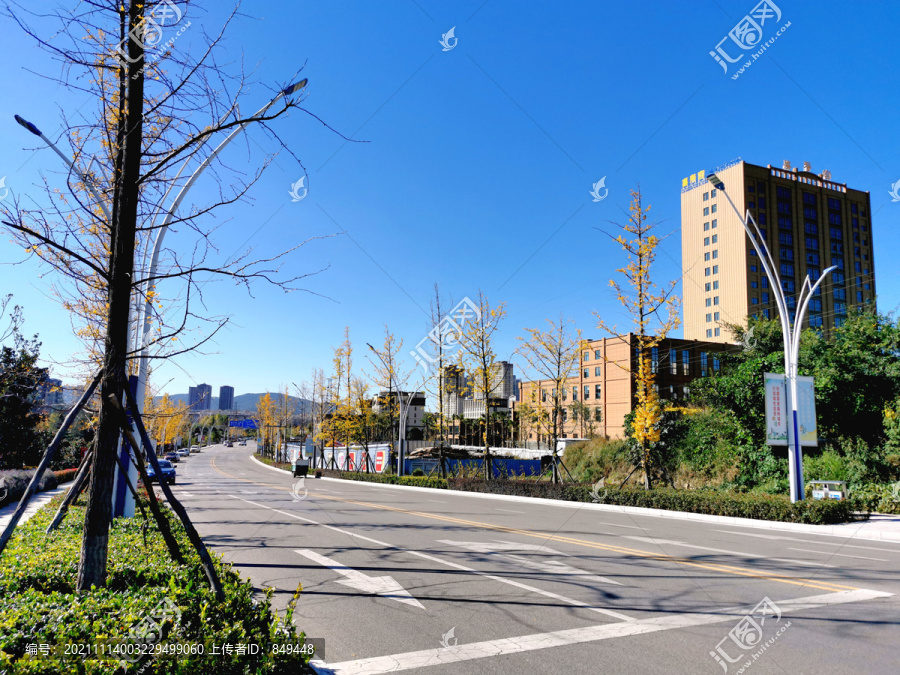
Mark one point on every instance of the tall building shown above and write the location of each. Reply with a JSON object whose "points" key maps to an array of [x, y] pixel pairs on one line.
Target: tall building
{"points": [[461, 395], [200, 397], [809, 223], [605, 385], [226, 398], [51, 392]]}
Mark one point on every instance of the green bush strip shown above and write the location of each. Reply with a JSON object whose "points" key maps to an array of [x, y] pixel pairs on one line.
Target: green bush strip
{"points": [[39, 605]]}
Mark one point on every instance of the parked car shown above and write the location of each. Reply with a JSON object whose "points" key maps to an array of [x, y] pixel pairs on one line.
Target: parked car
{"points": [[168, 472], [229, 444], [172, 457], [195, 448], [183, 452], [243, 443]]}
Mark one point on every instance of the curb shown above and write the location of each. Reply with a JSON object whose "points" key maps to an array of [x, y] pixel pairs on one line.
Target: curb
{"points": [[824, 530]]}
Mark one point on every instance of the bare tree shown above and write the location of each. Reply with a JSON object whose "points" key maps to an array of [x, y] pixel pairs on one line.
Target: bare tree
{"points": [[158, 115]]}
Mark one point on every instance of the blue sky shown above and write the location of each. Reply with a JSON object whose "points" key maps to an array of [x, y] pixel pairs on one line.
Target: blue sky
{"points": [[480, 159]]}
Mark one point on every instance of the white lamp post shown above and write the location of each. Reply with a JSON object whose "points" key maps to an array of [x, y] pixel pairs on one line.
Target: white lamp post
{"points": [[402, 439], [790, 334]]}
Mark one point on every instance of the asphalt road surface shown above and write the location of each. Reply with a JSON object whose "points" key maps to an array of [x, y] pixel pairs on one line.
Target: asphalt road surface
{"points": [[439, 582]]}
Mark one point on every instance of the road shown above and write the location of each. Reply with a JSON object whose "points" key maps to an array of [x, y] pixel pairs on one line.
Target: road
{"points": [[439, 582]]}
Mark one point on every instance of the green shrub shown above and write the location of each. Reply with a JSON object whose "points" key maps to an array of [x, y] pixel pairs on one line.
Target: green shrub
{"points": [[417, 481], [829, 465], [16, 481], [39, 605], [598, 458], [713, 502], [65, 475], [877, 497]]}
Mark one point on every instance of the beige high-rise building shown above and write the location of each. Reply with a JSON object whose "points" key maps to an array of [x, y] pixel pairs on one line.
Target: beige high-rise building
{"points": [[809, 223]]}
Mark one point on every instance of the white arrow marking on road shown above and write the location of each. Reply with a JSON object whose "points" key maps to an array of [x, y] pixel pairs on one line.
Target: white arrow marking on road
{"points": [[552, 566], [384, 586], [721, 550]]}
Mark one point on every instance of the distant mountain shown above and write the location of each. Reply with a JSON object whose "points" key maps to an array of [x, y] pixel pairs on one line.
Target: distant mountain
{"points": [[246, 401]]}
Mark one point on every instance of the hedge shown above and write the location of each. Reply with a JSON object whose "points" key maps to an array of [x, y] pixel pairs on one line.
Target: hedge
{"points": [[39, 604], [416, 481], [877, 497], [16, 480], [65, 475], [738, 505]]}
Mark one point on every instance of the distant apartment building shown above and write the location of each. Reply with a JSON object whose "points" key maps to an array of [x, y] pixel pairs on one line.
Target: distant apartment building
{"points": [[200, 397], [51, 393], [226, 398], [461, 395], [809, 223], [415, 418], [605, 384]]}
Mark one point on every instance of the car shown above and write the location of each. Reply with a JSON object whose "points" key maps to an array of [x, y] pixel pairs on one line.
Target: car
{"points": [[183, 452], [229, 444], [243, 443], [195, 448], [172, 457], [168, 472]]}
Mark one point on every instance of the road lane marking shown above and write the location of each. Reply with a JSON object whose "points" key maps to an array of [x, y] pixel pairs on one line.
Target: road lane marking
{"points": [[817, 542], [660, 557], [503, 580], [384, 586], [669, 542], [507, 510], [843, 555], [573, 636], [553, 567]]}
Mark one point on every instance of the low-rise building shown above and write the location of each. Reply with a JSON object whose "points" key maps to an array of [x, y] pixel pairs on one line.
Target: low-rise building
{"points": [[605, 384]]}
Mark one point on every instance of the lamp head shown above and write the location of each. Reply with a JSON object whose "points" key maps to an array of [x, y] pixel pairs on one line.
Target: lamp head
{"points": [[294, 88], [715, 180], [28, 125]]}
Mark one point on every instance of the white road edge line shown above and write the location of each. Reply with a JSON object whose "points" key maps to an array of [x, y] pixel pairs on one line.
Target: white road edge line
{"points": [[814, 543], [526, 643], [517, 584], [843, 555]]}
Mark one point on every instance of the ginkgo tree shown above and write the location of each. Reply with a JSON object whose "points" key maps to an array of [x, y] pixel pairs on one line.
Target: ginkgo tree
{"points": [[149, 123], [552, 355], [654, 313]]}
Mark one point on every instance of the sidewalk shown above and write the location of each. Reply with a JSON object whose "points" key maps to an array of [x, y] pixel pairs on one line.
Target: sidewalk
{"points": [[37, 501]]}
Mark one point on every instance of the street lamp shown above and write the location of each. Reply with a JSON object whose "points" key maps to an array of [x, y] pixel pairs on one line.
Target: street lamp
{"points": [[790, 334], [403, 414], [143, 329]]}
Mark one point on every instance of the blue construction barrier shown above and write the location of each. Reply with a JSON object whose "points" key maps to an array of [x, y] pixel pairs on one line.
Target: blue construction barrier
{"points": [[501, 466]]}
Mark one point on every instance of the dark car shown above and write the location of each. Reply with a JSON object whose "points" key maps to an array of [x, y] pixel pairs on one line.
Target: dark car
{"points": [[172, 457], [168, 472]]}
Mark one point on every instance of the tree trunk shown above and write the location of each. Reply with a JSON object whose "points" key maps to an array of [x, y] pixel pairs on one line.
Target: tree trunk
{"points": [[129, 136]]}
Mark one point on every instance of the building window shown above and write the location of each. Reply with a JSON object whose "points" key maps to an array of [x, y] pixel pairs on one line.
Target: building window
{"points": [[598, 415], [765, 298], [709, 302], [715, 285], [838, 262], [715, 269], [785, 239], [587, 392], [751, 204], [809, 198], [715, 253], [715, 238], [597, 354], [705, 210], [716, 316], [706, 257], [673, 362], [565, 415], [574, 393], [754, 301], [753, 268], [654, 359], [712, 194], [788, 285], [597, 391], [586, 372], [853, 209], [706, 196], [715, 223], [786, 270], [783, 192], [785, 223], [834, 218], [706, 272], [543, 395], [706, 241], [787, 254], [716, 300], [754, 284], [835, 233], [815, 321], [709, 332], [705, 226], [596, 371], [764, 282], [685, 362], [587, 356], [709, 318], [762, 216], [840, 308], [810, 228], [704, 364], [840, 294], [706, 287], [713, 208], [812, 243], [815, 305], [859, 296]]}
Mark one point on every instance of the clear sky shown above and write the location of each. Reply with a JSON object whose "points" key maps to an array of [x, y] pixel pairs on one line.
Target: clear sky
{"points": [[480, 159]]}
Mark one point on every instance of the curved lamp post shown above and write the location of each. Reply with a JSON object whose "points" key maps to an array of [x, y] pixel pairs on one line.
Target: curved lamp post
{"points": [[790, 333], [403, 413]]}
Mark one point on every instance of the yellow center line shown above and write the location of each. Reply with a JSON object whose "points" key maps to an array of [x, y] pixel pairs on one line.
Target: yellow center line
{"points": [[660, 557]]}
